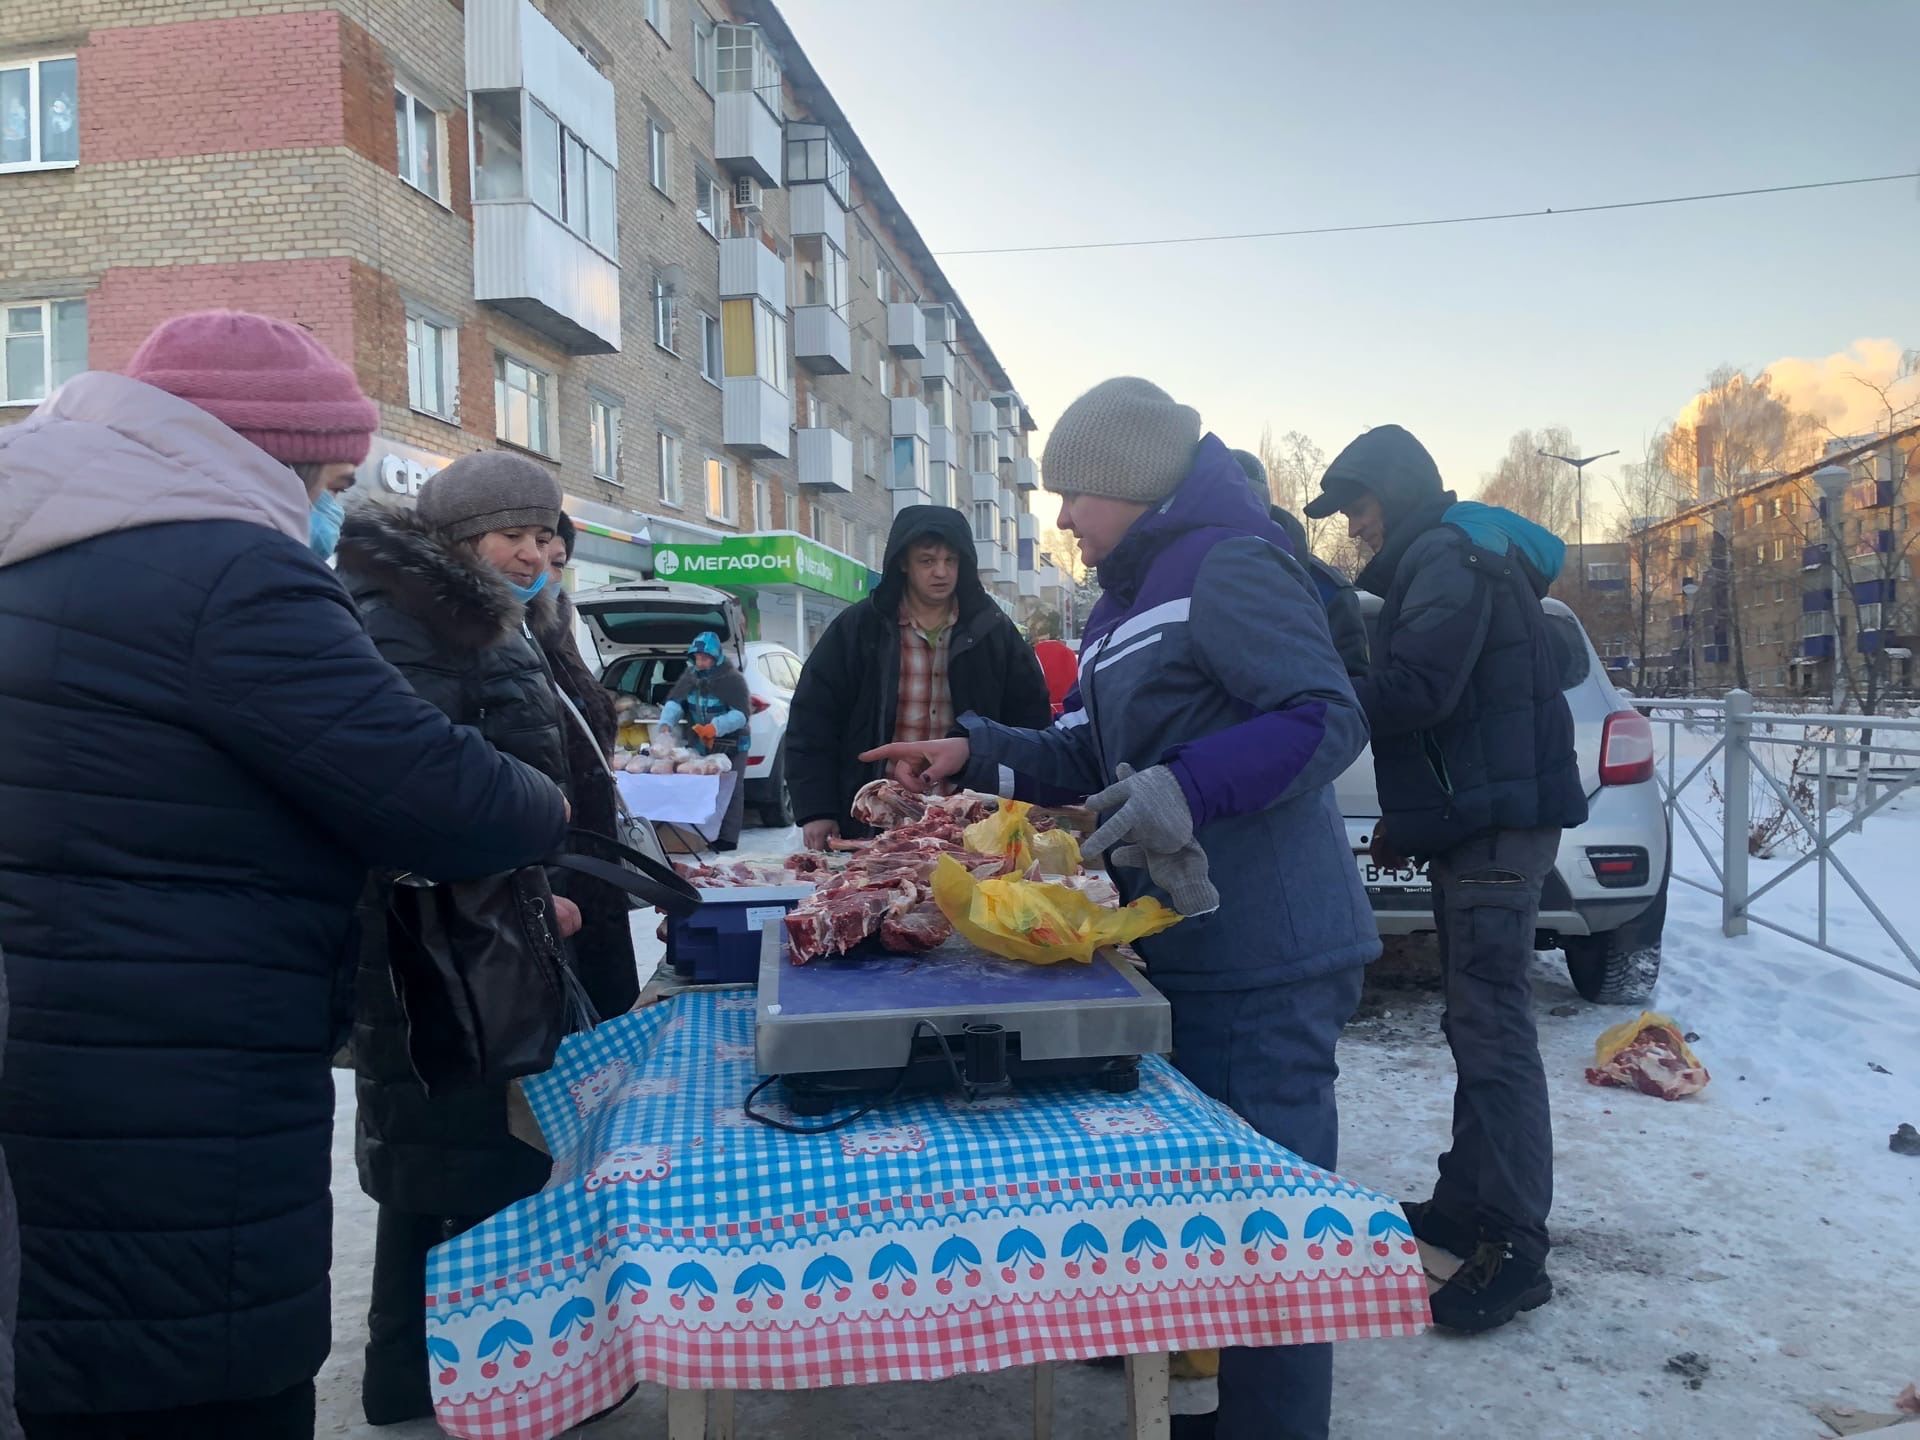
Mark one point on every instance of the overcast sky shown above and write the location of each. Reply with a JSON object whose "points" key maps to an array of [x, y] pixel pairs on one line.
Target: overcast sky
{"points": [[1020, 122]]}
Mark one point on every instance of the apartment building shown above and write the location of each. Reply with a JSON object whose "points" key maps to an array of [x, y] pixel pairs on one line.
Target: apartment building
{"points": [[637, 240]]}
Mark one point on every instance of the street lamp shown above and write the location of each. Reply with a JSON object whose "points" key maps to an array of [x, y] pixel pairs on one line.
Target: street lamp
{"points": [[1579, 464], [1689, 587]]}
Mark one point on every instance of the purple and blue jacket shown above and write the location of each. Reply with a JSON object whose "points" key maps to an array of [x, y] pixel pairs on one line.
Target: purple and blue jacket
{"points": [[1208, 653]]}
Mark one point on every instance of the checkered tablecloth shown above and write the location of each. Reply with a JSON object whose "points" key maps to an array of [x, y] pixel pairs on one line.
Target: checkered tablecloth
{"points": [[680, 1243]]}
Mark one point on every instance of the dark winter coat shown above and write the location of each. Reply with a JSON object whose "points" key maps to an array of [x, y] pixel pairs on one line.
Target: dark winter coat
{"points": [[1471, 732], [9, 1264], [447, 621], [849, 688], [553, 625], [201, 756], [1345, 623]]}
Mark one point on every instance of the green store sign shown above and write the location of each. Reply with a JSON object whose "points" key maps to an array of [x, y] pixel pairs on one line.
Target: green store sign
{"points": [[763, 560]]}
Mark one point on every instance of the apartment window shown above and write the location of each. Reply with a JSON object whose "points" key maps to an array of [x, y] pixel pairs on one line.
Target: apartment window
{"points": [[762, 503], [522, 403], [659, 156], [603, 437], [986, 452], [1870, 616], [40, 114], [940, 485], [1779, 548], [1760, 554], [814, 155], [722, 502], [820, 273], [498, 163], [986, 523], [660, 17], [706, 55], [746, 62], [1779, 592], [666, 314], [935, 393], [710, 348], [46, 345], [709, 201], [1602, 571], [522, 153], [754, 337], [433, 357], [869, 454], [909, 464], [879, 353], [669, 468], [1816, 622], [420, 134]]}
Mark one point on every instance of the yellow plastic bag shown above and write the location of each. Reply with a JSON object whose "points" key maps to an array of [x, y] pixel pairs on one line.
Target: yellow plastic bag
{"points": [[1040, 923], [1648, 1053], [1007, 833], [1056, 852]]}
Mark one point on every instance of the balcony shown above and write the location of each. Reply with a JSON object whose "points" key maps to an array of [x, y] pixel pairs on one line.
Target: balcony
{"points": [[816, 211], [1817, 647], [756, 418], [821, 340], [1030, 584], [749, 270], [943, 324], [1007, 509], [1816, 602], [907, 330], [1815, 557], [1006, 447], [909, 417], [1874, 592], [747, 136], [904, 498], [528, 265], [943, 446], [937, 363], [1026, 473], [824, 459], [981, 418], [943, 483], [986, 554], [1009, 569]]}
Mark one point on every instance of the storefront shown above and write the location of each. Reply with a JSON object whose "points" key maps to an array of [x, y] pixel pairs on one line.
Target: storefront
{"points": [[791, 586], [394, 471], [610, 547]]}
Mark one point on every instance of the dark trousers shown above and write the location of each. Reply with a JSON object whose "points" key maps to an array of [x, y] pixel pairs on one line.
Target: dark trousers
{"points": [[395, 1386], [736, 804], [286, 1416], [1499, 1171], [1268, 1054]]}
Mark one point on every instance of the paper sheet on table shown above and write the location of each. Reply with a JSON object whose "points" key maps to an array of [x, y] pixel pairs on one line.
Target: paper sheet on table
{"points": [[680, 799]]}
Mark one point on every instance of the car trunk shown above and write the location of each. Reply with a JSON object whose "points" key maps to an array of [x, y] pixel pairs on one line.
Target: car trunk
{"points": [[658, 618]]}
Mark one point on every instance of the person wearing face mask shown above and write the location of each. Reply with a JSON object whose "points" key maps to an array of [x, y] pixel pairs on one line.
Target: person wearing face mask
{"points": [[453, 593], [325, 514], [201, 757]]}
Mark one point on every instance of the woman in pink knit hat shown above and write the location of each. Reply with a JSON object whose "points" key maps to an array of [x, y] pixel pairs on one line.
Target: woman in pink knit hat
{"points": [[201, 757]]}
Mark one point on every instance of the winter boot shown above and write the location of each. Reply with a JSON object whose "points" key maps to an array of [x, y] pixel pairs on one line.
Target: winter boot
{"points": [[1435, 1227], [1490, 1289]]}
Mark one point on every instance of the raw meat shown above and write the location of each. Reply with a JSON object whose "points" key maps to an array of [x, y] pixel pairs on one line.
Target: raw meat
{"points": [[913, 931], [884, 804]]}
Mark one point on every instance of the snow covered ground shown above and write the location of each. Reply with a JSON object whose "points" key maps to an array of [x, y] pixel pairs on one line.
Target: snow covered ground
{"points": [[1762, 1230]]}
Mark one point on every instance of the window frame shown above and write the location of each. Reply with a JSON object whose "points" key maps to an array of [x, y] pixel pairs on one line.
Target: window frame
{"points": [[605, 435], [706, 47], [50, 367], [762, 503], [447, 360], [670, 443], [659, 15], [547, 394], [717, 208], [660, 155], [562, 211], [441, 194], [729, 513], [712, 356], [666, 313], [36, 140]]}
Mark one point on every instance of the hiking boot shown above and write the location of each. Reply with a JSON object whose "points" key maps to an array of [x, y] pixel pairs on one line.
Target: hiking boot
{"points": [[1440, 1230], [1490, 1289]]}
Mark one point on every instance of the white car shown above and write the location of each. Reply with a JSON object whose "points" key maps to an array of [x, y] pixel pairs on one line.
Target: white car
{"points": [[1605, 902], [640, 634]]}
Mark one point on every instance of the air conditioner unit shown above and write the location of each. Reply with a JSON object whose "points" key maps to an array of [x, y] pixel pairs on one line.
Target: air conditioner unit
{"points": [[746, 194]]}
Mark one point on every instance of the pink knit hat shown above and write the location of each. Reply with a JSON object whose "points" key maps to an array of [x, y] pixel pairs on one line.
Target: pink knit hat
{"points": [[269, 380]]}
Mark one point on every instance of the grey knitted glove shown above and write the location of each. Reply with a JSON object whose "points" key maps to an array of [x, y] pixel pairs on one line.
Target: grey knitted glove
{"points": [[1151, 817], [1181, 873]]}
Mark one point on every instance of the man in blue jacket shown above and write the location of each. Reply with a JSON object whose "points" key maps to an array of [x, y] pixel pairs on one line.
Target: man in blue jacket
{"points": [[1210, 720], [1474, 765]]}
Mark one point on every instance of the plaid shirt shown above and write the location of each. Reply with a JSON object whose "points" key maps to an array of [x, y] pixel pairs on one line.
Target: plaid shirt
{"points": [[925, 708]]}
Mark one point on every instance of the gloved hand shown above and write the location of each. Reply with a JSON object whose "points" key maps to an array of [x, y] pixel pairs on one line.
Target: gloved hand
{"points": [[1181, 873], [1153, 819], [706, 734], [1383, 852]]}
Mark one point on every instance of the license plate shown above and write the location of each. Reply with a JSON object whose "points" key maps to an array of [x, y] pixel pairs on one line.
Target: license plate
{"points": [[1393, 877]]}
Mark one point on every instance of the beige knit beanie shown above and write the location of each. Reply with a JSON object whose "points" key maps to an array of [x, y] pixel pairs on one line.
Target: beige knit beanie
{"points": [[1125, 439]]}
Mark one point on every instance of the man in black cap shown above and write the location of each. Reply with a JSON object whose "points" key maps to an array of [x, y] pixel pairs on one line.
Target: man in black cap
{"points": [[1474, 766], [1344, 621]]}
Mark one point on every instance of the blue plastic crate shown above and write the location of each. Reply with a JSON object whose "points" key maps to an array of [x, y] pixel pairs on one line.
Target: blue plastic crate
{"points": [[719, 944]]}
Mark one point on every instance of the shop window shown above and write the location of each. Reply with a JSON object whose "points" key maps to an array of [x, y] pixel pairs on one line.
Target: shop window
{"points": [[522, 403], [420, 133], [40, 114], [433, 359], [46, 345]]}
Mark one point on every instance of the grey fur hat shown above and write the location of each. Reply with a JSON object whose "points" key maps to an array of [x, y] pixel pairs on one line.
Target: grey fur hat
{"points": [[1125, 438], [490, 490]]}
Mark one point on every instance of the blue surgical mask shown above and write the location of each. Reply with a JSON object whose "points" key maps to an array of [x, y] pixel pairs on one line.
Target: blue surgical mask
{"points": [[527, 592], [323, 523]]}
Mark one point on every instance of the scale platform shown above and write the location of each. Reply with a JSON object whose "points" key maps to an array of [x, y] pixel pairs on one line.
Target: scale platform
{"points": [[842, 1027]]}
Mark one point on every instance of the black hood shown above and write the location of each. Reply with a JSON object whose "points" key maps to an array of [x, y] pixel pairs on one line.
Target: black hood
{"points": [[1388, 461], [931, 522]]}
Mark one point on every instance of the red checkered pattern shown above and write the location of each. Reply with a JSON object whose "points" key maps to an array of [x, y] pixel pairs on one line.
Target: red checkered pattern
{"points": [[925, 711], [973, 1338]]}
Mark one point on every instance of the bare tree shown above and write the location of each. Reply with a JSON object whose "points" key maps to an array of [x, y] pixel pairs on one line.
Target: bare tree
{"points": [[1530, 484], [1648, 492], [1294, 465]]}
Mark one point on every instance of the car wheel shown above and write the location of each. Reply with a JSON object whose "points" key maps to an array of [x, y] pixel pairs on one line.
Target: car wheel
{"points": [[1621, 966], [777, 809]]}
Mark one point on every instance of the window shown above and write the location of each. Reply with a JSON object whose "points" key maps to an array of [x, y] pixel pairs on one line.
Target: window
{"points": [[40, 114], [722, 502], [869, 454], [660, 17], [746, 62], [880, 359], [762, 503], [433, 357], [709, 348], [1870, 616], [1779, 548], [522, 403], [709, 201], [1816, 622], [497, 166], [46, 346], [986, 524], [420, 136], [754, 337], [814, 155], [820, 273], [669, 468], [603, 436], [666, 314], [1779, 592], [659, 156], [909, 464], [935, 393], [1599, 572], [546, 163], [1760, 554], [986, 452], [706, 54]]}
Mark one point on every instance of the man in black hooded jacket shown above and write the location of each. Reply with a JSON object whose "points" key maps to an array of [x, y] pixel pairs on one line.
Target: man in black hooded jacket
{"points": [[928, 645], [1474, 767]]}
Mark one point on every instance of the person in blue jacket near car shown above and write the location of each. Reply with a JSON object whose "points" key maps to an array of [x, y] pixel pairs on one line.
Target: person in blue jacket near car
{"points": [[712, 702], [1211, 717], [1474, 765]]}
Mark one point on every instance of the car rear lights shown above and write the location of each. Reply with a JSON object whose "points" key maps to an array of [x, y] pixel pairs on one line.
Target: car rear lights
{"points": [[1626, 749], [1618, 868]]}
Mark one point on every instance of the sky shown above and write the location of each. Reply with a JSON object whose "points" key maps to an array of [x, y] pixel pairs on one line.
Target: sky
{"points": [[1031, 122]]}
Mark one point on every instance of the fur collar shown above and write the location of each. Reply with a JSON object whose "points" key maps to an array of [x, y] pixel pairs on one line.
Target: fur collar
{"points": [[391, 554]]}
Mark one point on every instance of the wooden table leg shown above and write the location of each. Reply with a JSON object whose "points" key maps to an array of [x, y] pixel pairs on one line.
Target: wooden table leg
{"points": [[1043, 1402], [720, 1416], [686, 1415], [1148, 1410]]}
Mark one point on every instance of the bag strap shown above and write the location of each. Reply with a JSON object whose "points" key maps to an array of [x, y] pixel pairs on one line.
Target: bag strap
{"points": [[659, 885]]}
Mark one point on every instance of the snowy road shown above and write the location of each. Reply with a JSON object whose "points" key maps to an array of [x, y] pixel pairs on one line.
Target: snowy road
{"points": [[1763, 1227]]}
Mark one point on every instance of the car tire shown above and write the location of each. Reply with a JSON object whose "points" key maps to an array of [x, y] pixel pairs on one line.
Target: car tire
{"points": [[777, 809], [1621, 966]]}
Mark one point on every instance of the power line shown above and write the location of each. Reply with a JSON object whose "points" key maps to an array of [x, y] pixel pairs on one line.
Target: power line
{"points": [[1445, 220]]}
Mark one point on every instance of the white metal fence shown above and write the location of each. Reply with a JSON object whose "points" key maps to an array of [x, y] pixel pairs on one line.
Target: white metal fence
{"points": [[1843, 770]]}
